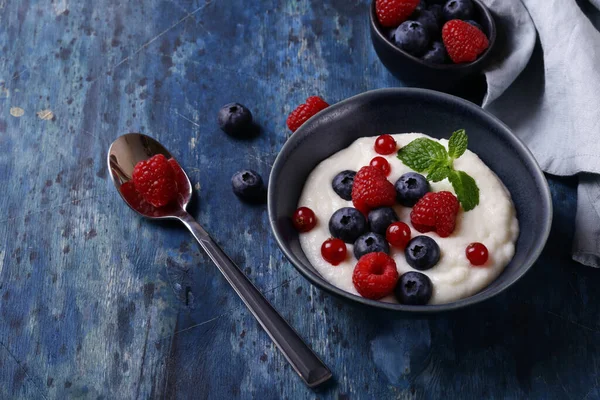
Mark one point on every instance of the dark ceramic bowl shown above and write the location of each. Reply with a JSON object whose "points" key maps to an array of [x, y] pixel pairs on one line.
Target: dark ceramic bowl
{"points": [[413, 71], [411, 110]]}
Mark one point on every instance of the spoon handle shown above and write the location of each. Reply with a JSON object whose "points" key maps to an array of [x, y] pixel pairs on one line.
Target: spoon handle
{"points": [[304, 361]]}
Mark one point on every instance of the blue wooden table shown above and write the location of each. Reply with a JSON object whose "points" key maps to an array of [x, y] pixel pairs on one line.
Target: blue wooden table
{"points": [[97, 303]]}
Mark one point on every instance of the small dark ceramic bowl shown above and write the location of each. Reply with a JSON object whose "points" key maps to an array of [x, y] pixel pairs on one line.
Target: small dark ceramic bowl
{"points": [[413, 71], [411, 110]]}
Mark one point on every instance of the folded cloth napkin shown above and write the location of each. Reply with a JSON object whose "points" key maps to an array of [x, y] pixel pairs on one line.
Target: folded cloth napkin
{"points": [[546, 88]]}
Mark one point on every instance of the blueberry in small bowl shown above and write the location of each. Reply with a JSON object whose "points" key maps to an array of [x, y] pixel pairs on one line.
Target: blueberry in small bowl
{"points": [[427, 48]]}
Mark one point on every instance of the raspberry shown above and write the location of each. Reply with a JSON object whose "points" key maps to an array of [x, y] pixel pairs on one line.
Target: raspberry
{"points": [[375, 275], [371, 189], [303, 112], [463, 41], [154, 179], [183, 185], [135, 200], [435, 212], [392, 13]]}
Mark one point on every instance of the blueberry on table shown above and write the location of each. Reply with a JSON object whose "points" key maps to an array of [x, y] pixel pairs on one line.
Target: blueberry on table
{"points": [[342, 184], [380, 218], [236, 120], [458, 9], [370, 243], [414, 288], [410, 187], [412, 37], [248, 186], [347, 224], [422, 253], [437, 54]]}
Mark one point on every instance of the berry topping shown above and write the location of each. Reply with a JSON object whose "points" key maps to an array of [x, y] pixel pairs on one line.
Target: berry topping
{"points": [[385, 144], [303, 112], [342, 184], [235, 119], [375, 276], [248, 186], [154, 180], [380, 218], [414, 288], [371, 189], [435, 212], [477, 253], [382, 164], [392, 13], [437, 54], [412, 37], [304, 219], [458, 9], [422, 252], [410, 187], [463, 41], [398, 234], [333, 251], [370, 243], [347, 224]]}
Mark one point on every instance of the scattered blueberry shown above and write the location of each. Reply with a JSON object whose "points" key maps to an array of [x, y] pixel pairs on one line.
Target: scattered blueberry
{"points": [[422, 252], [475, 24], [437, 54], [414, 288], [430, 22], [347, 224], [248, 186], [370, 243], [381, 218], [458, 9], [412, 37], [410, 187], [342, 184], [236, 120]]}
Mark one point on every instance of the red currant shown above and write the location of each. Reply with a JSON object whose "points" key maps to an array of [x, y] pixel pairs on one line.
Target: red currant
{"points": [[398, 234], [304, 219], [333, 251], [477, 253], [382, 164], [385, 144]]}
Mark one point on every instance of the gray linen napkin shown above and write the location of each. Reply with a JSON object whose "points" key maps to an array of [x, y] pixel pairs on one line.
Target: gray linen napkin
{"points": [[548, 91]]}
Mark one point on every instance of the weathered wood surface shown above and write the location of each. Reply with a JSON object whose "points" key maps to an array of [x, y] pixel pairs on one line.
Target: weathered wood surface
{"points": [[97, 303]]}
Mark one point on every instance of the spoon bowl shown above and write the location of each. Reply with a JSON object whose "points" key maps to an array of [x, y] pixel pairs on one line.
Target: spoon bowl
{"points": [[123, 155]]}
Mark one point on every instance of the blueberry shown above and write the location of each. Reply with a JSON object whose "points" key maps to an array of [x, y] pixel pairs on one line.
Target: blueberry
{"points": [[412, 37], [420, 8], [413, 288], [475, 24], [248, 185], [381, 218], [236, 120], [429, 20], [347, 224], [437, 54], [342, 184], [422, 252], [370, 243], [458, 9], [437, 10], [410, 187]]}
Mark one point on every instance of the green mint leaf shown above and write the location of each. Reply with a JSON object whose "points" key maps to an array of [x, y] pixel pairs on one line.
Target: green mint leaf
{"points": [[422, 153], [458, 144], [438, 172], [466, 189]]}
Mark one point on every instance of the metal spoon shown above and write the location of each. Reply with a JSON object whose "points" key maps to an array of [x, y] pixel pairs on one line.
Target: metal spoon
{"points": [[124, 153]]}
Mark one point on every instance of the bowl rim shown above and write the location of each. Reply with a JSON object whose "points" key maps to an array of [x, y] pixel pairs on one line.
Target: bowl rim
{"points": [[477, 298], [377, 29]]}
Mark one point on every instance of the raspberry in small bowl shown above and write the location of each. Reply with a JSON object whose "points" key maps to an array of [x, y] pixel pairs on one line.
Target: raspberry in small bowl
{"points": [[436, 46]]}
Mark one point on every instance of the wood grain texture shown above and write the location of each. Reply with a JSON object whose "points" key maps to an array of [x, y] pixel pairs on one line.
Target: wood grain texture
{"points": [[97, 303]]}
